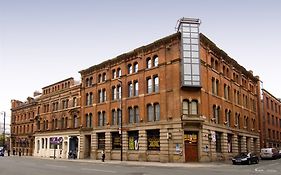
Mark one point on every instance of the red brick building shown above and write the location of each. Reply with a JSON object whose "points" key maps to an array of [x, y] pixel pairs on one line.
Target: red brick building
{"points": [[22, 132], [270, 121], [178, 99], [176, 106]]}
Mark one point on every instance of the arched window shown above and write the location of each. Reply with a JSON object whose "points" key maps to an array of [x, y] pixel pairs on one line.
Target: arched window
{"points": [[136, 88], [75, 121], [87, 82], [130, 69], [100, 78], [136, 67], [148, 63], [194, 107], [91, 81], [156, 112], [150, 112], [119, 72], [114, 74], [190, 107], [130, 89], [155, 61]]}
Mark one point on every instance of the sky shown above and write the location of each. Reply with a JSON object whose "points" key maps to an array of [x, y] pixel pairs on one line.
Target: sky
{"points": [[46, 41]]}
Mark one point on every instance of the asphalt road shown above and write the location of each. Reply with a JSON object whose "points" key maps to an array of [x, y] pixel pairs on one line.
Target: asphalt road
{"points": [[35, 166]]}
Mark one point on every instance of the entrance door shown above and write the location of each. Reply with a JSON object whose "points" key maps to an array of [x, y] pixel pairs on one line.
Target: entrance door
{"points": [[87, 146], [73, 147], [191, 146]]}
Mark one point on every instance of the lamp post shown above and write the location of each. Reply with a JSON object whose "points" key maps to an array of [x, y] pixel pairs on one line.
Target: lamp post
{"points": [[120, 124], [4, 128]]}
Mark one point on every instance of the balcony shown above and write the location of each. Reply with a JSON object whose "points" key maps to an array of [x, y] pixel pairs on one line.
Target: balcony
{"points": [[193, 118]]}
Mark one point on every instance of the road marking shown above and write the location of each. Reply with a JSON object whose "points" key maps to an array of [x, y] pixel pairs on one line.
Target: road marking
{"points": [[99, 170], [55, 166], [258, 170]]}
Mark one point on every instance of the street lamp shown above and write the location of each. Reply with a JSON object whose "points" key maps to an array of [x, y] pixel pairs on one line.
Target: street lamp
{"points": [[4, 114], [120, 124]]}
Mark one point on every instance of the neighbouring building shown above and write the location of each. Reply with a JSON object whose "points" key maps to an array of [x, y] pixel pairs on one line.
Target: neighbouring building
{"points": [[22, 132], [57, 121], [270, 121], [49, 123], [178, 99]]}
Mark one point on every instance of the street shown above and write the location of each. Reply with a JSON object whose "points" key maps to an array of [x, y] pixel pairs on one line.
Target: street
{"points": [[35, 166]]}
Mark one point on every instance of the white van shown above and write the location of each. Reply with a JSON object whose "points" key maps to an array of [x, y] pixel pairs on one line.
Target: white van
{"points": [[269, 153]]}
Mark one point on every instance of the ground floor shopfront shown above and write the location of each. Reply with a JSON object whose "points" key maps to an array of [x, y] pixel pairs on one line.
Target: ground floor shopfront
{"points": [[57, 145], [173, 142]]}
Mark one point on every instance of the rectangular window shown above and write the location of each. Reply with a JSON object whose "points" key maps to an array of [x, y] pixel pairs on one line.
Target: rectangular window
{"points": [[101, 140], [150, 113], [116, 140], [153, 139], [136, 88], [113, 117], [130, 90], [156, 84], [131, 115], [133, 140], [149, 85], [157, 112]]}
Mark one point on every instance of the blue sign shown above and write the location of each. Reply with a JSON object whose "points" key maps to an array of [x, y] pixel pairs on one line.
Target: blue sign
{"points": [[56, 140]]}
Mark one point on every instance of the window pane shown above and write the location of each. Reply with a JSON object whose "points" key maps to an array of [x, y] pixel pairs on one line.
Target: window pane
{"points": [[149, 85], [194, 109], [157, 112], [156, 84], [150, 113], [185, 107]]}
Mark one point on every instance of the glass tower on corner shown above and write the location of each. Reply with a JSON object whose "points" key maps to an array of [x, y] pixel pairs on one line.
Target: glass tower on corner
{"points": [[190, 53]]}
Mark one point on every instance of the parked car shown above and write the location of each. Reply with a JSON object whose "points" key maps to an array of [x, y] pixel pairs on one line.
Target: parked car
{"points": [[269, 153], [245, 158], [1, 151]]}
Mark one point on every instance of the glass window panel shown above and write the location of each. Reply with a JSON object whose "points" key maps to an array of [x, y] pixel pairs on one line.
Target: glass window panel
{"points": [[157, 112], [187, 82], [186, 54], [194, 110], [186, 25], [195, 69], [195, 78], [195, 60], [187, 68], [186, 46], [194, 35], [194, 47], [186, 35], [195, 54], [194, 41], [186, 60], [194, 29], [197, 83], [187, 40], [187, 77]]}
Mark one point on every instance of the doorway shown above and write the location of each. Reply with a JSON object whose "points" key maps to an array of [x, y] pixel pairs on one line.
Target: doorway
{"points": [[191, 146], [73, 147], [87, 145]]}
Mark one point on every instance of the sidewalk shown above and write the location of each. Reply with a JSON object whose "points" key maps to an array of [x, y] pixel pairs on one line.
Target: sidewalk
{"points": [[139, 163]]}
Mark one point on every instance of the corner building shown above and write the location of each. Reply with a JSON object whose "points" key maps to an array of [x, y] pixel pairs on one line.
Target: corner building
{"points": [[178, 99]]}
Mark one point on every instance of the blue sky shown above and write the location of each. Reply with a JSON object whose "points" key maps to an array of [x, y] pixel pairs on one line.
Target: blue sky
{"points": [[45, 41]]}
